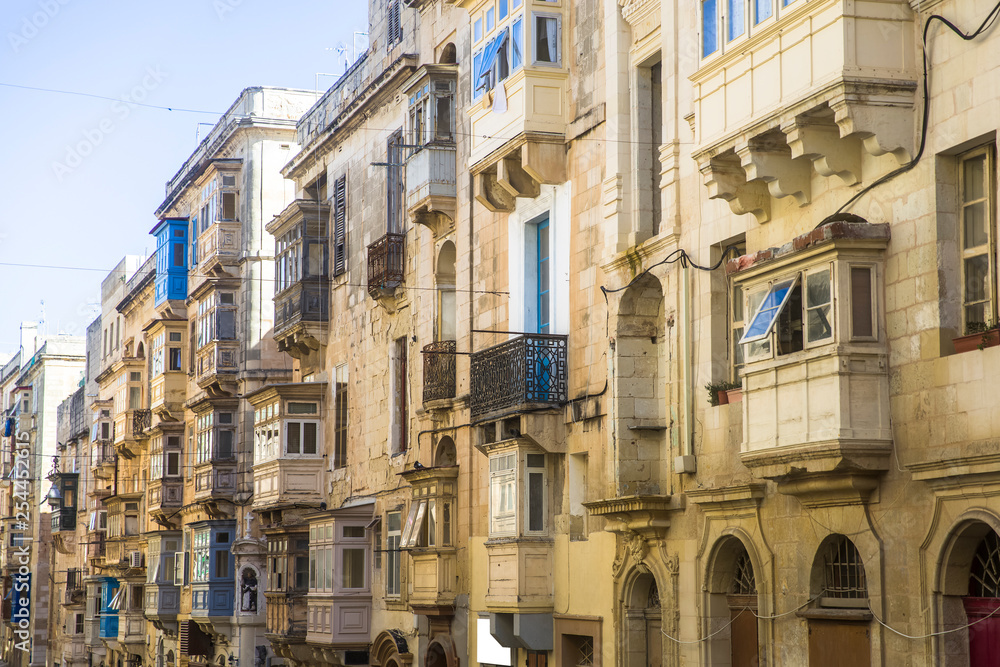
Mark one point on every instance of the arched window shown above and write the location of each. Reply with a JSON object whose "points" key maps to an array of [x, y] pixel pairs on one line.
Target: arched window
{"points": [[844, 573], [984, 577]]}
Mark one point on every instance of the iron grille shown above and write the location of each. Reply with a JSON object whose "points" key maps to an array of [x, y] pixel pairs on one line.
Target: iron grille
{"points": [[984, 580], [527, 370], [439, 370], [845, 572], [105, 454], [141, 420], [743, 578], [385, 263]]}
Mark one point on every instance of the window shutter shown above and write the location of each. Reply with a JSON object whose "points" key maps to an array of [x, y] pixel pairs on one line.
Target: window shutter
{"points": [[340, 226], [184, 638], [395, 29]]}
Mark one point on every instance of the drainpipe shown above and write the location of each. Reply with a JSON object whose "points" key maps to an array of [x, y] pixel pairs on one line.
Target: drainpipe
{"points": [[686, 463]]}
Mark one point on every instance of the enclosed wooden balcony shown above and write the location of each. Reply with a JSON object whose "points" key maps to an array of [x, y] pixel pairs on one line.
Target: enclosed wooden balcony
{"points": [[817, 87], [301, 298], [219, 247], [431, 541], [386, 264], [165, 494], [217, 363], [526, 372], [214, 480]]}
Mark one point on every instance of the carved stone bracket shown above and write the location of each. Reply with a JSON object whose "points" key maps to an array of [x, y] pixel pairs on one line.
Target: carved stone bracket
{"points": [[769, 159], [830, 154], [727, 180], [882, 115]]}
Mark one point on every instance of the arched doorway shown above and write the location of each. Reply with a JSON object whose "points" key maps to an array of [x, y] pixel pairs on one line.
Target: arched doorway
{"points": [[641, 389], [643, 623], [840, 628], [732, 606], [982, 604]]}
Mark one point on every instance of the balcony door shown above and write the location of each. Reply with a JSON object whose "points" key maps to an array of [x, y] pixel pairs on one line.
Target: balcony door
{"points": [[542, 363]]}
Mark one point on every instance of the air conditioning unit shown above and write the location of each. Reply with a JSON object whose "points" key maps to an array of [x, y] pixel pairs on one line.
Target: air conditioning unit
{"points": [[135, 559]]}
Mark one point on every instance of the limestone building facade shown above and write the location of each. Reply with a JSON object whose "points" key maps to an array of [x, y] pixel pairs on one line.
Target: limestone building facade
{"points": [[609, 332]]}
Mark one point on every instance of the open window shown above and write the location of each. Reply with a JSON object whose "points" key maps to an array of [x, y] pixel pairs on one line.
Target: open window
{"points": [[795, 312]]}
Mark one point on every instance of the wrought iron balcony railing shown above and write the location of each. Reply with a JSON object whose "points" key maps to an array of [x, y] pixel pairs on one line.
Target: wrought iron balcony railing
{"points": [[527, 370], [385, 263], [439, 370]]}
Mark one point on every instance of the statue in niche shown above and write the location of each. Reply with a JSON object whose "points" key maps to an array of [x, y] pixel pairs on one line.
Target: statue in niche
{"points": [[248, 591]]}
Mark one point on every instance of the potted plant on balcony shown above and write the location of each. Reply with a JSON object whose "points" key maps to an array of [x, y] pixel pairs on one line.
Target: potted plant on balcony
{"points": [[724, 392], [978, 335]]}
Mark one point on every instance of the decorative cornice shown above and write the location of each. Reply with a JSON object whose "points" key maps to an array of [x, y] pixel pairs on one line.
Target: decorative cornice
{"points": [[728, 499]]}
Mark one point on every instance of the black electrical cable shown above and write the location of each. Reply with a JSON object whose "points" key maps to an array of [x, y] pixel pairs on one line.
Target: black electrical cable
{"points": [[987, 22], [679, 255]]}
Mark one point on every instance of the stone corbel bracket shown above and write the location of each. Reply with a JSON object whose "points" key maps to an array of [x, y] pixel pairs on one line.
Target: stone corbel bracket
{"points": [[726, 180], [769, 159], [821, 142], [881, 114]]}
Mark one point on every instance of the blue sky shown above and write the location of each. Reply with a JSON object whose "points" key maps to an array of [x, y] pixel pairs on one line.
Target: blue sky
{"points": [[80, 177]]}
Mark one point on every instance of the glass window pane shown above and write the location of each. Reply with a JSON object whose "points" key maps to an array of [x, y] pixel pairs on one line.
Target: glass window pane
{"points": [[861, 302], [763, 9], [546, 39], [763, 320], [477, 30], [292, 437], [709, 28], [817, 289], [977, 273], [974, 225], [489, 20], [517, 57], [353, 568], [736, 19], [309, 438], [501, 10], [536, 503], [972, 176]]}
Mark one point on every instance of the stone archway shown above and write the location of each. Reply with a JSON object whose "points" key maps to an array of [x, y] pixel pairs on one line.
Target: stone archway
{"points": [[642, 622], [732, 605], [969, 580], [441, 652], [390, 650]]}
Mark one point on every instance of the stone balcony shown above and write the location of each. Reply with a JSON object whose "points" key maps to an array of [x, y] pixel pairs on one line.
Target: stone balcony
{"points": [[813, 90]]}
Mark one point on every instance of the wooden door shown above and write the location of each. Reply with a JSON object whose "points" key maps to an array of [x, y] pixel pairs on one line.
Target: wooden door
{"points": [[654, 641], [984, 634], [839, 644], [743, 638]]}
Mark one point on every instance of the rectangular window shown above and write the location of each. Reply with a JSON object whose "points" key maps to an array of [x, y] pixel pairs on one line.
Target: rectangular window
{"points": [[221, 564], [393, 535], [543, 269], [78, 624], [536, 508], [301, 437], [353, 568], [736, 19], [709, 27], [394, 183], [200, 556], [547, 39], [394, 31], [976, 182], [736, 331], [503, 494], [340, 417], [862, 302], [517, 44], [764, 319], [502, 9], [477, 30], [175, 358], [819, 306], [490, 20], [400, 416], [340, 226], [762, 10]]}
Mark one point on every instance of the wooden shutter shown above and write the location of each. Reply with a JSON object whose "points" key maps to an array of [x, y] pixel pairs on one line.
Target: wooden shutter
{"points": [[184, 638], [340, 226], [395, 28]]}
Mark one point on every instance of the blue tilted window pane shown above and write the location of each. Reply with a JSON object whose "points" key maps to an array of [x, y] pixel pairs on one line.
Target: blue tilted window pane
{"points": [[763, 9], [736, 21], [763, 320], [543, 277], [709, 27]]}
